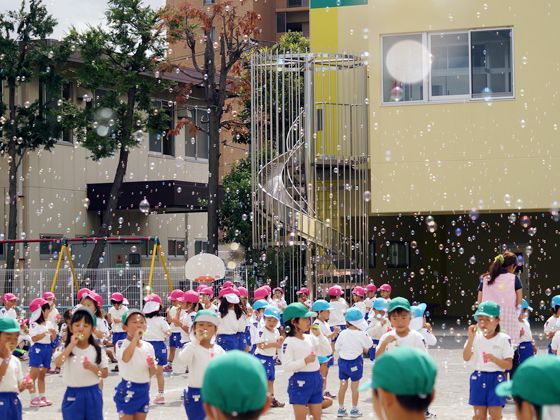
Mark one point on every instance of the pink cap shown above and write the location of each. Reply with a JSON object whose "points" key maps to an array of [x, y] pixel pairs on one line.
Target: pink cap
{"points": [[226, 291], [335, 291], [190, 296], [175, 294], [243, 292], [385, 287], [207, 291], [200, 287], [97, 298], [358, 290], [227, 284], [268, 289], [153, 298], [49, 295], [81, 293], [9, 296], [371, 288], [279, 289], [117, 297], [260, 293], [35, 308], [302, 291]]}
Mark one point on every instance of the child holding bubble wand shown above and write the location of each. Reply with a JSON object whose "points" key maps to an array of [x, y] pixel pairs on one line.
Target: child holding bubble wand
{"points": [[84, 365]]}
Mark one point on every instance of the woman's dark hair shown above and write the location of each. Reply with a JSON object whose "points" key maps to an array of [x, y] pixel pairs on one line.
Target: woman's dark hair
{"points": [[496, 267], [291, 332], [519, 402], [86, 317], [224, 308], [41, 318]]}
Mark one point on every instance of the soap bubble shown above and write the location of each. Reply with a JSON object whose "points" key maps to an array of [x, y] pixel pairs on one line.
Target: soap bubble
{"points": [[548, 292], [133, 248], [86, 202], [525, 221], [121, 220], [402, 61], [532, 231], [144, 206], [472, 260], [512, 218], [367, 196], [397, 94]]}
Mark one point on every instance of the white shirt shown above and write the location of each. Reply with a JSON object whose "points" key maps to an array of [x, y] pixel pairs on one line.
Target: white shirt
{"points": [[429, 338], [53, 316], [413, 339], [73, 373], [242, 323], [499, 346], [102, 326], [197, 358], [254, 328], [187, 320], [555, 344], [12, 377], [361, 306], [323, 326], [173, 311], [279, 303], [229, 324], [38, 329], [8, 312], [351, 344], [527, 333], [116, 327], [136, 369], [369, 303], [338, 312], [267, 337], [377, 327], [157, 329], [294, 351], [551, 325]]}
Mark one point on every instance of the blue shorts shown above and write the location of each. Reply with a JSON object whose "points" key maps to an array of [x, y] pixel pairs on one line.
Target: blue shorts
{"points": [[160, 349], [84, 403], [353, 369], [525, 351], [306, 388], [241, 341], [269, 367], [253, 348], [193, 404], [550, 348], [483, 389], [175, 340], [248, 336], [340, 329], [10, 406], [40, 355], [117, 336], [55, 342], [228, 341], [372, 350], [132, 398]]}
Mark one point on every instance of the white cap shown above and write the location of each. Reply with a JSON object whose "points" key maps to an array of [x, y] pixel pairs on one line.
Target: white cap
{"points": [[232, 298], [360, 324]]}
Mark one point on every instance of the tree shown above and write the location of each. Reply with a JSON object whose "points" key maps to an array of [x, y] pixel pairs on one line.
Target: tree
{"points": [[123, 58], [26, 56], [212, 61]]}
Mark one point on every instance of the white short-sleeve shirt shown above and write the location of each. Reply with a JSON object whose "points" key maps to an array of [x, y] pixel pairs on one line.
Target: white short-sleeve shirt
{"points": [[73, 372], [499, 346], [136, 369], [116, 327], [13, 376], [157, 329], [413, 339], [38, 329]]}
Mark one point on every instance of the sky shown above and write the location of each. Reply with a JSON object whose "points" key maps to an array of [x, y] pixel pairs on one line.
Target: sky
{"points": [[76, 13]]}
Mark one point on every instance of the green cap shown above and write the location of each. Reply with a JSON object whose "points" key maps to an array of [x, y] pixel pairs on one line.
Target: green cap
{"points": [[297, 310], [131, 312], [404, 371], [206, 315], [235, 383], [535, 381], [399, 302], [488, 308], [9, 325]]}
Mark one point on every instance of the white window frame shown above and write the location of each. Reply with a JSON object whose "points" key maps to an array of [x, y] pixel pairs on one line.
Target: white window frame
{"points": [[427, 82], [160, 153], [174, 256], [194, 111]]}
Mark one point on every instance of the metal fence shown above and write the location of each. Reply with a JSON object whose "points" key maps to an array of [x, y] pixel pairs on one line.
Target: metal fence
{"points": [[29, 284]]}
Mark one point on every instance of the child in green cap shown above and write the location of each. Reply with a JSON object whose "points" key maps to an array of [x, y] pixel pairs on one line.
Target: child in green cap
{"points": [[225, 392], [491, 354], [403, 384], [11, 375]]}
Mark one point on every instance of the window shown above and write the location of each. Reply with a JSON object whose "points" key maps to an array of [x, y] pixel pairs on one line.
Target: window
{"points": [[147, 249], [212, 32], [196, 146], [200, 245], [161, 143], [281, 22], [209, 1], [68, 94], [47, 250], [372, 253], [294, 27], [97, 98], [448, 66], [398, 255], [176, 248]]}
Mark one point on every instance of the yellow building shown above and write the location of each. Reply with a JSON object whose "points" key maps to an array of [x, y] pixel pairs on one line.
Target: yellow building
{"points": [[462, 115]]}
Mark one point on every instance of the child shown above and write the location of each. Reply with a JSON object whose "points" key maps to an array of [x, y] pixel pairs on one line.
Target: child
{"points": [[323, 310], [24, 340], [491, 354], [156, 333], [94, 302], [259, 307], [385, 291], [279, 301], [403, 384], [9, 309], [370, 293], [82, 294], [54, 316], [243, 297], [114, 317], [358, 298], [350, 345], [527, 347], [174, 319], [136, 368], [378, 324], [84, 364], [11, 374], [207, 294], [230, 316], [304, 297], [260, 293], [299, 355], [63, 330], [189, 307], [401, 334], [420, 324], [338, 311], [267, 343], [197, 354], [42, 333], [551, 325], [230, 397], [535, 389]]}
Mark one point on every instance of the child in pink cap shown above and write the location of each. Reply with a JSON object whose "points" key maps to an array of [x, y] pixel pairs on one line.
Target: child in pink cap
{"points": [[9, 309], [385, 291], [207, 294], [304, 297], [370, 296], [174, 320], [358, 297]]}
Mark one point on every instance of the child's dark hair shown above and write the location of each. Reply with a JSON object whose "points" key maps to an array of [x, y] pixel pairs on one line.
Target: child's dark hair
{"points": [[41, 318], [115, 302], [496, 267], [139, 313], [555, 309], [412, 402], [97, 311], [519, 401], [67, 315], [152, 314], [398, 312], [292, 330], [248, 415], [85, 317], [224, 308]]}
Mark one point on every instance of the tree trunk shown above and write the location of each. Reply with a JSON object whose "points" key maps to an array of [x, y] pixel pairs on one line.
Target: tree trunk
{"points": [[12, 191], [214, 175]]}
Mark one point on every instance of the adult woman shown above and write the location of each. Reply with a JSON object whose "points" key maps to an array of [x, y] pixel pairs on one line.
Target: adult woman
{"points": [[503, 287]]}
